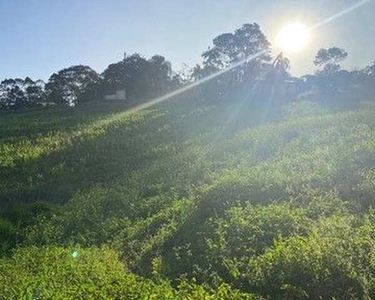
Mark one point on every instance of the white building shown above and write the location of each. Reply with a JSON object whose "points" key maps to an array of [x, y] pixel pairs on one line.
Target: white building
{"points": [[118, 95]]}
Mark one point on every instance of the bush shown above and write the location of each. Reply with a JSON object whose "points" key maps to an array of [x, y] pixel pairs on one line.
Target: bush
{"points": [[95, 273], [337, 261], [8, 236]]}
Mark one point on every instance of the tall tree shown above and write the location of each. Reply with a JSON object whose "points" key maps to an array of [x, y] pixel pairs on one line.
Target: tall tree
{"points": [[35, 95], [161, 74], [141, 78], [17, 98], [247, 48], [279, 70], [66, 86], [230, 48], [19, 93], [129, 74], [330, 60], [366, 76]]}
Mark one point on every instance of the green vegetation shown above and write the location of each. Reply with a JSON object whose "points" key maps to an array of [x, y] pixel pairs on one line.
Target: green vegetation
{"points": [[190, 200], [61, 273]]}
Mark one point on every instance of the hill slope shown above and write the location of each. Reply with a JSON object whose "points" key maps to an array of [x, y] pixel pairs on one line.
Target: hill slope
{"points": [[276, 205]]}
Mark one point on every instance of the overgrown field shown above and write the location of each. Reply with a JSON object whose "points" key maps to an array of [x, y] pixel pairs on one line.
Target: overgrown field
{"points": [[189, 200]]}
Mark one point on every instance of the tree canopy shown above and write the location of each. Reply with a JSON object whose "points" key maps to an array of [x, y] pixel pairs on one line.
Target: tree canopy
{"points": [[231, 48], [21, 93], [330, 59], [67, 85], [244, 55]]}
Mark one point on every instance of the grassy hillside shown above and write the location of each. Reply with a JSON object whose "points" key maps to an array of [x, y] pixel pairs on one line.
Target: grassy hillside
{"points": [[189, 200]]}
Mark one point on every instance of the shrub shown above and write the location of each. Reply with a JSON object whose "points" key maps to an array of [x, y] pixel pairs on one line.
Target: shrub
{"points": [[95, 273], [8, 236], [337, 261]]}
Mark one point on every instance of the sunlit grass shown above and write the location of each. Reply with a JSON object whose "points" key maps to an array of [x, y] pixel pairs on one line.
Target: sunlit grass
{"points": [[182, 184]]}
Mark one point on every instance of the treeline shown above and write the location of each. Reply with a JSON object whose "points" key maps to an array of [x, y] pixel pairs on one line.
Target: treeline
{"points": [[246, 51], [141, 79]]}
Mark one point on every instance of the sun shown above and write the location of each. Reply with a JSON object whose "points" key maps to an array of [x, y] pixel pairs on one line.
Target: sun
{"points": [[293, 37]]}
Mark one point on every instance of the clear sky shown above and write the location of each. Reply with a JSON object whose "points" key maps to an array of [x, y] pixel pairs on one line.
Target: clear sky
{"points": [[39, 37]]}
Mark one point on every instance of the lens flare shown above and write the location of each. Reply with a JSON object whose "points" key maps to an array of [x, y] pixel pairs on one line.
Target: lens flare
{"points": [[75, 254], [292, 38], [340, 14]]}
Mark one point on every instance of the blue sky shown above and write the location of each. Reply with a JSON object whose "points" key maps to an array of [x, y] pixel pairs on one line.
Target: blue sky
{"points": [[39, 37]]}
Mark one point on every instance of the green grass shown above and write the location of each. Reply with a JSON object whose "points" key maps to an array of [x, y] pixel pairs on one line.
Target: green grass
{"points": [[231, 198]]}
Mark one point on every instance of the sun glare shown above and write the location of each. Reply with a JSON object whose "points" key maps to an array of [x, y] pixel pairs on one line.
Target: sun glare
{"points": [[293, 37]]}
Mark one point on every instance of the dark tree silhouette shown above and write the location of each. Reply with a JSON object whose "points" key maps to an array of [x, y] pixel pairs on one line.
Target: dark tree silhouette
{"points": [[161, 73], [244, 43], [141, 78], [19, 93], [35, 95], [330, 60], [17, 98], [281, 67], [231, 48], [66, 86]]}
